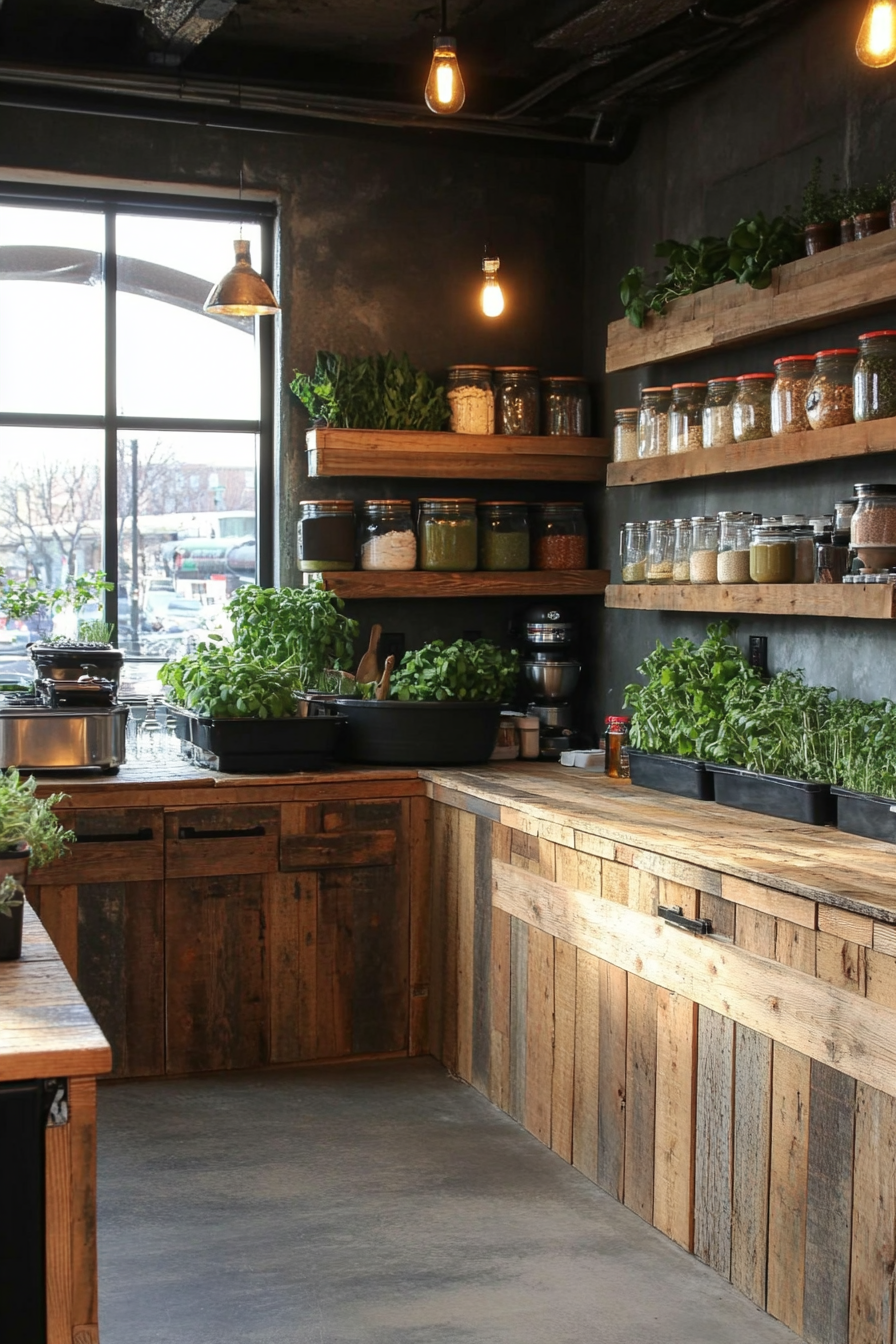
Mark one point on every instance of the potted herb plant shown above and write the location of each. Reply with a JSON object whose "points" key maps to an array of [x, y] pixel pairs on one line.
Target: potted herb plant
{"points": [[819, 216], [864, 741], [30, 836], [58, 657], [871, 208]]}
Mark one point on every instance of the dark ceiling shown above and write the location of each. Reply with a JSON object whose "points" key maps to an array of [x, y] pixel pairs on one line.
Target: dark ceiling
{"points": [[569, 74]]}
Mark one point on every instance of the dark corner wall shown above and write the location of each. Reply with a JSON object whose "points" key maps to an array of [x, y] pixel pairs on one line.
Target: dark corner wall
{"points": [[745, 142]]}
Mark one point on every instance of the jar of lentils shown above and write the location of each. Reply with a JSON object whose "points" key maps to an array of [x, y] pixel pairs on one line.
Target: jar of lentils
{"points": [[789, 389], [471, 397], [734, 548], [625, 434], [718, 424], [503, 534], [560, 536], [703, 560], [751, 411], [660, 549], [829, 400], [387, 538], [517, 399], [446, 531], [874, 379], [653, 422], [686, 417], [633, 552], [565, 406], [681, 551]]}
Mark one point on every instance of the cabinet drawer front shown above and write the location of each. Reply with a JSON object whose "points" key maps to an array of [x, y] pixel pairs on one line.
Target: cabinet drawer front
{"points": [[215, 841], [339, 849], [124, 844]]}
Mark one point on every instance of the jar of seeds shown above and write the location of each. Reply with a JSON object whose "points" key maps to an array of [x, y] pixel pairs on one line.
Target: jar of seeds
{"points": [[681, 551], [734, 548], [829, 400], [686, 417], [751, 407], [471, 398], [874, 379], [792, 373], [653, 422], [718, 425], [660, 546], [703, 561], [625, 434], [633, 552]]}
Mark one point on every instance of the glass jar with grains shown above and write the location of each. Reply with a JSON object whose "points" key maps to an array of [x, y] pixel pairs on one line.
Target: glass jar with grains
{"points": [[503, 534], [734, 548], [874, 379], [386, 535], [625, 434], [517, 399], [653, 421], [560, 539], [660, 549], [829, 398], [446, 531], [703, 560], [686, 417], [792, 373], [771, 554], [325, 535], [803, 546], [873, 526], [681, 551], [751, 408], [565, 406], [633, 552], [718, 423], [471, 398]]}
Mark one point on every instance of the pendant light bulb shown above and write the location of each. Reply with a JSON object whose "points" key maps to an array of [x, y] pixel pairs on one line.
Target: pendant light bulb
{"points": [[242, 292], [444, 91], [492, 294], [876, 43]]}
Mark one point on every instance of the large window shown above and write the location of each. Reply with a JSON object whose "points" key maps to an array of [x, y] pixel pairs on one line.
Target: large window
{"points": [[136, 431]]}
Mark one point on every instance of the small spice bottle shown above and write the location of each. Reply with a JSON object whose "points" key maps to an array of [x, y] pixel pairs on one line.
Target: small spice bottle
{"points": [[771, 554], [517, 399], [616, 734], [751, 407], [686, 417], [625, 434], [565, 406], [718, 423], [387, 538], [733, 565], [792, 373], [560, 536], [633, 552], [703, 560], [660, 549], [325, 535], [681, 551], [446, 530], [829, 398], [503, 534], [874, 378], [471, 398], [653, 421]]}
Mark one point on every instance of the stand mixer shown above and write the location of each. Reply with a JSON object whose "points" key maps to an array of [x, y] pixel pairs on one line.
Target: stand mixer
{"points": [[551, 675]]}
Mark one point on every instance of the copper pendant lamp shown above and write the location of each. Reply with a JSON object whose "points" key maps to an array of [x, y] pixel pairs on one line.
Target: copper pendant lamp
{"points": [[242, 292]]}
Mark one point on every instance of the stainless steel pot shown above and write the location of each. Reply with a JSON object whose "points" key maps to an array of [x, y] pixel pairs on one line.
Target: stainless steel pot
{"points": [[35, 738], [552, 680]]}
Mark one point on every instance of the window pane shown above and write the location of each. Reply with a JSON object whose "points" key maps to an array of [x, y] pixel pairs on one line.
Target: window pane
{"points": [[194, 541], [50, 518], [174, 359], [51, 311]]}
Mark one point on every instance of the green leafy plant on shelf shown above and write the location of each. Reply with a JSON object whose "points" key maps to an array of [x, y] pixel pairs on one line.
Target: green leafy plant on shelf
{"points": [[820, 205], [757, 245], [371, 392], [25, 599], [29, 820], [464, 670]]}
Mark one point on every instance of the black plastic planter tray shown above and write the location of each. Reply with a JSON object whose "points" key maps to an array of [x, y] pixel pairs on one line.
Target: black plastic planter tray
{"points": [[792, 799], [681, 775], [420, 732], [866, 814], [254, 746]]}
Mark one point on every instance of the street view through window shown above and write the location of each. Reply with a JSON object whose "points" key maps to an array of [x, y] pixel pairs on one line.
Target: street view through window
{"points": [[177, 394]]}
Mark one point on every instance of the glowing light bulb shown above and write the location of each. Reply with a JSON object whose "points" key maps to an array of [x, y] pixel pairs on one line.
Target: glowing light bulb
{"points": [[876, 43], [492, 294], [444, 91]]}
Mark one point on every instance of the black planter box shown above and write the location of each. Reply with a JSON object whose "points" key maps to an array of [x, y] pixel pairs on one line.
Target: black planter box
{"points": [[866, 814], [420, 732], [262, 746], [792, 799], [681, 775]]}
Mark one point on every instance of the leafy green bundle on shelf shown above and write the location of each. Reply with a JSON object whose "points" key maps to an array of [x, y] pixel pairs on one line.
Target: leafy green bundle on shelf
{"points": [[464, 670], [371, 392]]}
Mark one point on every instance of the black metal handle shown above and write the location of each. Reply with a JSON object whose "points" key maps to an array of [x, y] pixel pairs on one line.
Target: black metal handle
{"points": [[191, 833], [145, 833], [674, 915]]}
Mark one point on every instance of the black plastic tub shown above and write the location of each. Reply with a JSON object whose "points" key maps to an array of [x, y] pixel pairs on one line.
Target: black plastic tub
{"points": [[420, 732], [68, 662], [681, 775], [792, 799], [264, 746], [866, 814]]}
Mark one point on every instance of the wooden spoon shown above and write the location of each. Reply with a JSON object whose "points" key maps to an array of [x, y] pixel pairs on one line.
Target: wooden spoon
{"points": [[368, 668], [382, 689]]}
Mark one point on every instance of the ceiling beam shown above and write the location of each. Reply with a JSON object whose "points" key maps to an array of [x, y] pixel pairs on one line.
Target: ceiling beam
{"points": [[184, 23]]}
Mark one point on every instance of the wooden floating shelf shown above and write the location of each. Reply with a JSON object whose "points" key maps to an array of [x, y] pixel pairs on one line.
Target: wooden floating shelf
{"points": [[864, 601], [814, 445], [384, 452], [385, 584], [844, 282]]}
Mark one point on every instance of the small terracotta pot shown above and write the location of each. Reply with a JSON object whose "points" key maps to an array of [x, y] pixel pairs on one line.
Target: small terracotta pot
{"points": [[847, 231], [874, 222], [15, 863], [821, 237]]}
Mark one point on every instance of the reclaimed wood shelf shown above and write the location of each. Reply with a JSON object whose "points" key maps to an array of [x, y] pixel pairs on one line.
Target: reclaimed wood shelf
{"points": [[814, 445], [844, 282], [864, 601], [509, 583], [376, 452]]}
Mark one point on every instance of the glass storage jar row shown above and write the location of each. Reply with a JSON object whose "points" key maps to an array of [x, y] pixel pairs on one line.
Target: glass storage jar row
{"points": [[512, 399], [726, 548]]}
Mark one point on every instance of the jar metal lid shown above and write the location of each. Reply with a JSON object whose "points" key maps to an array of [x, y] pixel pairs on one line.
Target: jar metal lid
{"points": [[563, 378], [870, 335], [618, 718], [502, 504], [430, 500], [516, 368], [661, 522], [704, 518], [745, 377], [655, 389], [395, 503], [680, 521], [846, 351], [770, 530], [345, 504], [726, 378], [466, 368], [560, 504], [887, 489], [790, 359], [677, 385], [626, 410]]}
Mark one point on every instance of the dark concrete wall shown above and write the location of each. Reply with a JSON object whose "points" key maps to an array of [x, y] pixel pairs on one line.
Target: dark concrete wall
{"points": [[746, 141]]}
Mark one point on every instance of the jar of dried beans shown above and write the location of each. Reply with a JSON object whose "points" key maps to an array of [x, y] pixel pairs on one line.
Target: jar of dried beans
{"points": [[503, 534], [703, 560], [873, 526], [792, 374], [560, 536], [686, 417], [625, 434], [751, 407], [718, 425], [829, 400], [471, 398], [874, 379], [653, 422]]}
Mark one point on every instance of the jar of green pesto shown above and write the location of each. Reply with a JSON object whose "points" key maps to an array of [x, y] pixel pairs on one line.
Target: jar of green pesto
{"points": [[503, 534], [447, 534]]}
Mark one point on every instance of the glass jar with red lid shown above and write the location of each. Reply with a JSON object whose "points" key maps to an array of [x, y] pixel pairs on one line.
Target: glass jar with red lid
{"points": [[829, 400], [792, 374], [874, 379], [616, 738], [751, 409]]}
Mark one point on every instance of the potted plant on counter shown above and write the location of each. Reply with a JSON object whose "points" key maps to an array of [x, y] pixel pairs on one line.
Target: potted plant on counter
{"points": [[31, 836], [820, 214], [59, 657], [864, 737]]}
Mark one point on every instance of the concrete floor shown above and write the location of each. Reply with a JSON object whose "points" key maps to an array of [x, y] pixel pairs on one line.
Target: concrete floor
{"points": [[382, 1203]]}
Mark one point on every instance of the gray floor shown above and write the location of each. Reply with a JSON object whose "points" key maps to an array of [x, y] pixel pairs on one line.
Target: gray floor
{"points": [[377, 1203]]}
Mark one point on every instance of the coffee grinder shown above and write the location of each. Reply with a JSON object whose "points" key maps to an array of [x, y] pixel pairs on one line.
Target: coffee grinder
{"points": [[552, 675]]}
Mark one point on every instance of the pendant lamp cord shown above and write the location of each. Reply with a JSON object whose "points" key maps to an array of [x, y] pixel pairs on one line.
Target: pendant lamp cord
{"points": [[444, 25]]}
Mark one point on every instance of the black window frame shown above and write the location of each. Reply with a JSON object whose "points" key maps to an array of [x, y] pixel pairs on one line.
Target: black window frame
{"points": [[111, 203]]}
